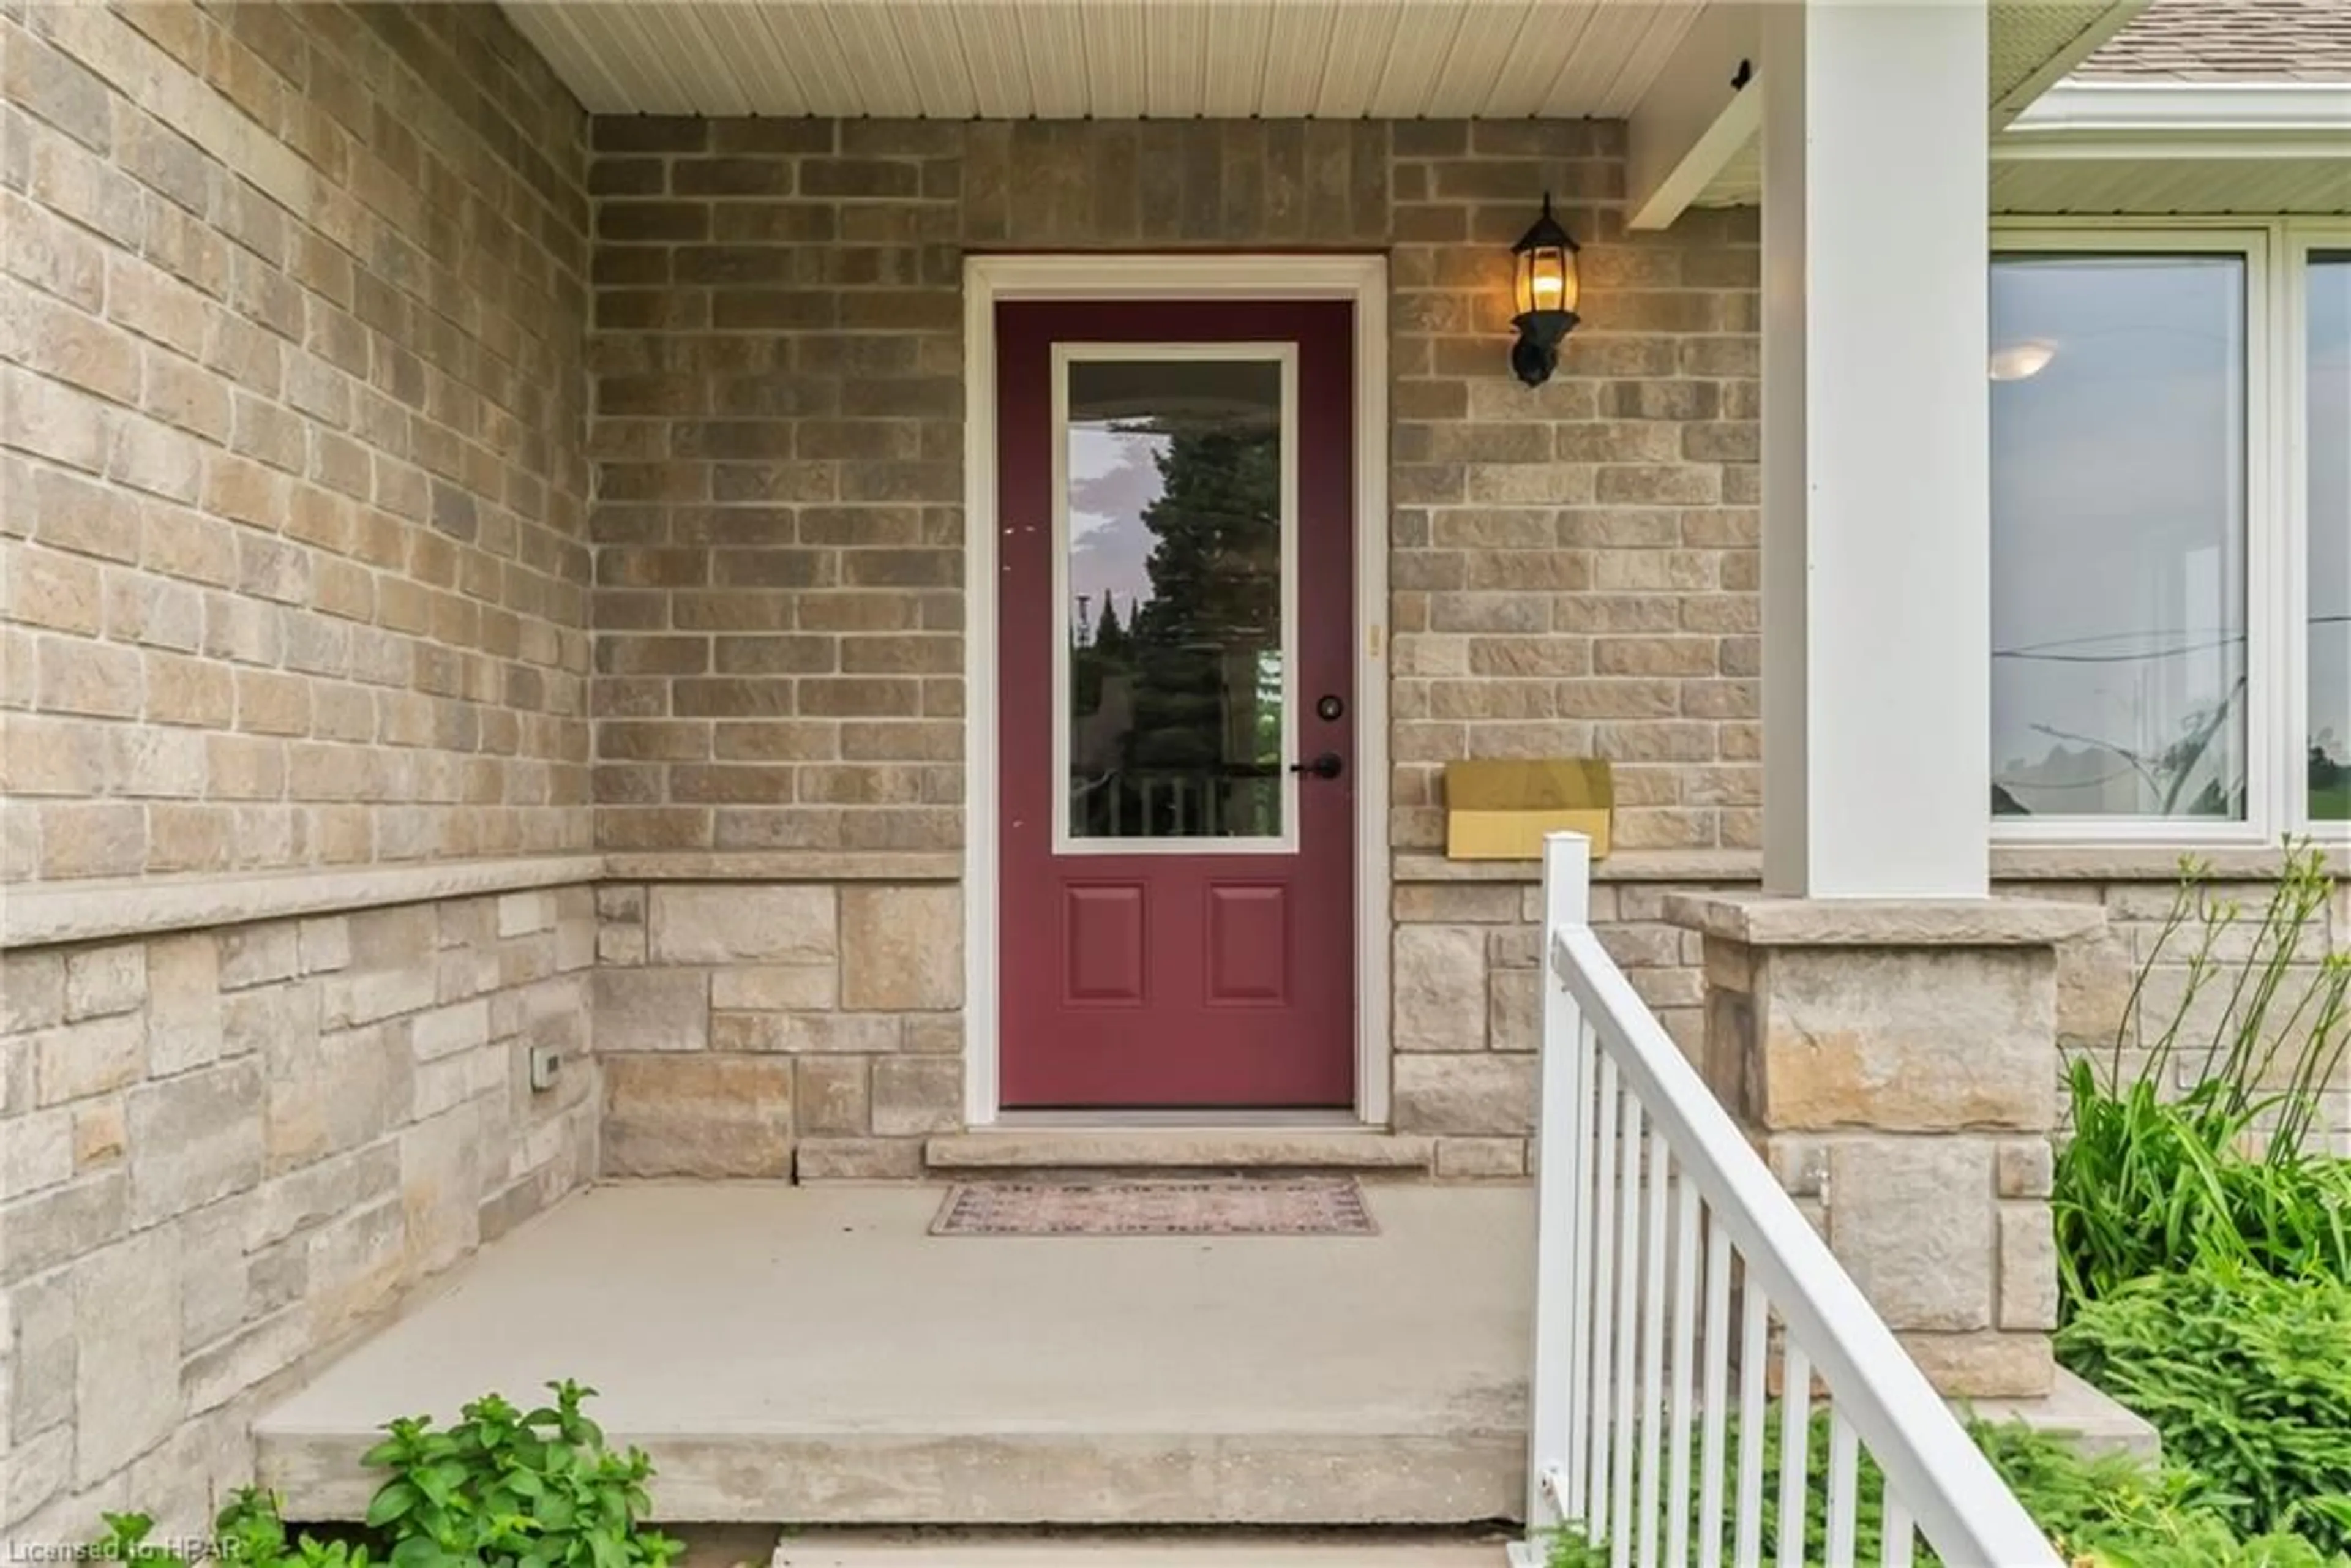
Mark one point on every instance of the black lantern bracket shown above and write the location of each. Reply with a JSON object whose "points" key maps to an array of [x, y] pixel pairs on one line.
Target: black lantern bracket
{"points": [[1546, 286]]}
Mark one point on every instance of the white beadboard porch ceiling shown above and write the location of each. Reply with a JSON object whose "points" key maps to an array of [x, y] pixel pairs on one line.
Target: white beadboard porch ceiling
{"points": [[1109, 60]]}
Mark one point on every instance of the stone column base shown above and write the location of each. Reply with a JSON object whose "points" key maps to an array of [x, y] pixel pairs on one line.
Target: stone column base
{"points": [[1897, 1062]]}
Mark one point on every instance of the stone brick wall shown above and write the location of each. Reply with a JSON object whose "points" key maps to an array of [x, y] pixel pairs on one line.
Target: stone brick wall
{"points": [[778, 1029], [1467, 1018], [2096, 979], [291, 499], [1465, 950], [779, 441], [221, 1151], [778, 437]]}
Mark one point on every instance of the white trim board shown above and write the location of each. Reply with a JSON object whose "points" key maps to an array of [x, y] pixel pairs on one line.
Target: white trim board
{"points": [[2181, 122], [990, 279], [2188, 110]]}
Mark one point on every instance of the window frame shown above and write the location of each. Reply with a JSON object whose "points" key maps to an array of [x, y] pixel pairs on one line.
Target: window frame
{"points": [[2276, 254]]}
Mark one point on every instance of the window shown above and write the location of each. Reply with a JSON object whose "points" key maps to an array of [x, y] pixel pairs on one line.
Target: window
{"points": [[2326, 513], [2170, 503], [2119, 536]]}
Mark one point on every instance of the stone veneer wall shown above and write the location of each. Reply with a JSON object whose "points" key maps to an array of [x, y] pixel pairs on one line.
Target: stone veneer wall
{"points": [[292, 574], [2095, 978], [292, 407], [1465, 950], [1468, 1015], [779, 441], [221, 1151], [778, 1029]]}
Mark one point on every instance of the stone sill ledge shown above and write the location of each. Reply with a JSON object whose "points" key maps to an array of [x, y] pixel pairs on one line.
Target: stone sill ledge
{"points": [[1627, 865], [1759, 921], [47, 913], [786, 865], [1177, 1148], [2009, 863], [43, 915], [2144, 862]]}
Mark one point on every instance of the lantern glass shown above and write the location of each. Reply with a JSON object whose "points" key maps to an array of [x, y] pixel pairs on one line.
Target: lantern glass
{"points": [[1546, 278]]}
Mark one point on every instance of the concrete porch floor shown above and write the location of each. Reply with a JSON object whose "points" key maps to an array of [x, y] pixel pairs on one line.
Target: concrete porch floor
{"points": [[814, 1356]]}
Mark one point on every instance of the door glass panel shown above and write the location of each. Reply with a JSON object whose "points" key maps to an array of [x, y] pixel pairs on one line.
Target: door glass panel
{"points": [[1175, 609]]}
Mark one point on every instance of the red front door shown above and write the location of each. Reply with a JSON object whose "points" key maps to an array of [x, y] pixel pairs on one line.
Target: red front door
{"points": [[1175, 614]]}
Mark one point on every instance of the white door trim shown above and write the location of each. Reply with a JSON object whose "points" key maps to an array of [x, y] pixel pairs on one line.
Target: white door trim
{"points": [[988, 280]]}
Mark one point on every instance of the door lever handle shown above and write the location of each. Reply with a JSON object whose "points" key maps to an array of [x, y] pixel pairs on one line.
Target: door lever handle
{"points": [[1330, 765]]}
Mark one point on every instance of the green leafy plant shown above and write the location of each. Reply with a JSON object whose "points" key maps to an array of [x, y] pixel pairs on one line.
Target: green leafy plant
{"points": [[2106, 1511], [501, 1489], [2248, 1378], [506, 1488], [2146, 1179], [249, 1531], [125, 1541]]}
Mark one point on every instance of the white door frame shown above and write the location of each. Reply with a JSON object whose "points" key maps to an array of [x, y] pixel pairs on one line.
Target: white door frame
{"points": [[988, 280]]}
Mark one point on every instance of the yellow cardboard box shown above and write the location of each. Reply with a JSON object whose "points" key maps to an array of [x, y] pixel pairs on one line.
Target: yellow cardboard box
{"points": [[1497, 811]]}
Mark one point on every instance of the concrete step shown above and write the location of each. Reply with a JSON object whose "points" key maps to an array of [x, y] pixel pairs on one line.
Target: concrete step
{"points": [[1107, 1478], [813, 1355], [2088, 1417], [1001, 1150]]}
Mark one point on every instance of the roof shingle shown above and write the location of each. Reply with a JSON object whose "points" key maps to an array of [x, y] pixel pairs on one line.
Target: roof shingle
{"points": [[2229, 41]]}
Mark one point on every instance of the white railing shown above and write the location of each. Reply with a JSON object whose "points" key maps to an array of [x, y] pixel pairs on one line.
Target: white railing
{"points": [[1659, 1226]]}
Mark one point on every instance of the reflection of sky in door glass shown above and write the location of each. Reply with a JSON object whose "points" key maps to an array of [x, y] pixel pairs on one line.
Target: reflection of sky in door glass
{"points": [[1114, 475], [2330, 536], [1175, 708], [2118, 536]]}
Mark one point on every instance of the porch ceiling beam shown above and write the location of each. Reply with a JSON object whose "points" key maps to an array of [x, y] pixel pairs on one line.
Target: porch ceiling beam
{"points": [[1702, 109]]}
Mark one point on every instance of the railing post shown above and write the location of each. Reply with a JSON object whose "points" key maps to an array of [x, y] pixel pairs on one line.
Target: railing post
{"points": [[1552, 1394]]}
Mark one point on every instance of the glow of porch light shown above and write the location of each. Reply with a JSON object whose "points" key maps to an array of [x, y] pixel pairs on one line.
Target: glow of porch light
{"points": [[2022, 362]]}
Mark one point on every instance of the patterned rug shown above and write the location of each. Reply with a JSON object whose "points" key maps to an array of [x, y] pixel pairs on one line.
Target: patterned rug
{"points": [[1305, 1206]]}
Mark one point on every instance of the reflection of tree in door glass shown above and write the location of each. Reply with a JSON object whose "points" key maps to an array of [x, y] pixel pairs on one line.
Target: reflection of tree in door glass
{"points": [[1177, 683]]}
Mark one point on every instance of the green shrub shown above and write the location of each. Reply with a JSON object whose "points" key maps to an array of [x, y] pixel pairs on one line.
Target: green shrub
{"points": [[248, 1533], [2110, 1511], [502, 1489], [2121, 1511], [2248, 1378], [1868, 1491], [2147, 1180]]}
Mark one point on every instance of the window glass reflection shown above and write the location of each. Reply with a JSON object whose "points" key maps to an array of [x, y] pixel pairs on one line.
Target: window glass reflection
{"points": [[2119, 536], [1176, 680]]}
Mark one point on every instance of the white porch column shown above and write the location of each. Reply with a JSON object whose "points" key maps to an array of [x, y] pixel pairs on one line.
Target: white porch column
{"points": [[1877, 620]]}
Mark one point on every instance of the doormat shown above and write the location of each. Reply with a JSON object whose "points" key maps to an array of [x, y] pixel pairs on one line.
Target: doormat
{"points": [[1307, 1205]]}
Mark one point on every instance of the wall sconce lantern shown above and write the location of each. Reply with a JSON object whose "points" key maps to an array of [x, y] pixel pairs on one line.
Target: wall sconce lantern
{"points": [[1547, 291]]}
